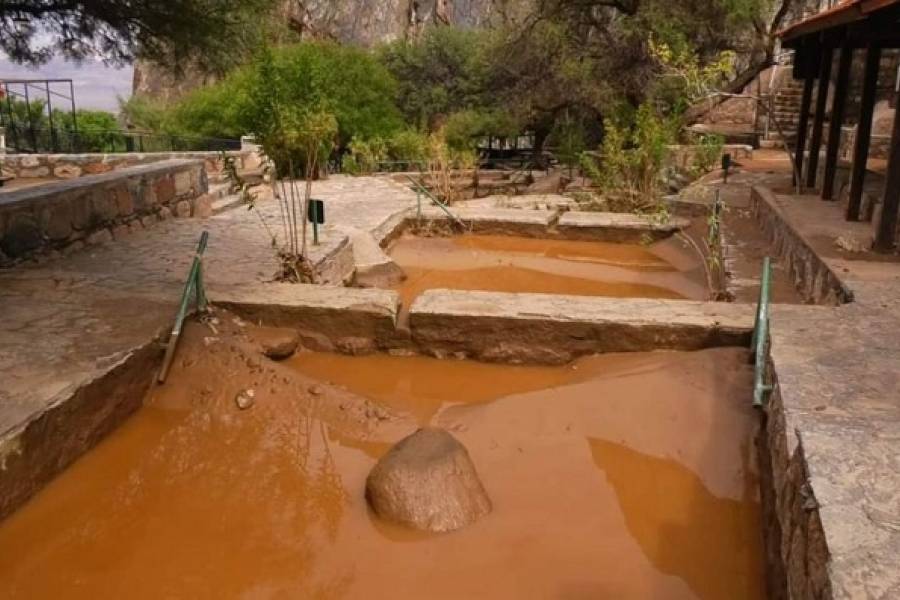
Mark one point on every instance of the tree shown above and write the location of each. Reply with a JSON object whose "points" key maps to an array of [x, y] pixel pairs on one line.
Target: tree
{"points": [[443, 71], [349, 82], [117, 31]]}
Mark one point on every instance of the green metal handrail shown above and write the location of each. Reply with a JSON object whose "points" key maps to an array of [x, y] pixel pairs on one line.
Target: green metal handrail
{"points": [[194, 283], [761, 337], [421, 189]]}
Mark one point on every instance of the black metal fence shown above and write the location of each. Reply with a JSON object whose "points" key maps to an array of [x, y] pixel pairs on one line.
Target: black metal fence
{"points": [[65, 141]]}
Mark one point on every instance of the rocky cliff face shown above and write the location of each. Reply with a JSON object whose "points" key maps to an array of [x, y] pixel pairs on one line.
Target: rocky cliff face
{"points": [[362, 22]]}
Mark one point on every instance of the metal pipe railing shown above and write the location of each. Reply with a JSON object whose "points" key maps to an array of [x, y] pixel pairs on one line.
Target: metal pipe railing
{"points": [[193, 284], [421, 189], [761, 337]]}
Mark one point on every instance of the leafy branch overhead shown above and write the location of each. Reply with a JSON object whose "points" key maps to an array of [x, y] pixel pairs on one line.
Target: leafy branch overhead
{"points": [[118, 31]]}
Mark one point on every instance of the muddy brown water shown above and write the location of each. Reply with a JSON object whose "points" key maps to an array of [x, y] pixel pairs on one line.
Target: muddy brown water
{"points": [[501, 263], [618, 476]]}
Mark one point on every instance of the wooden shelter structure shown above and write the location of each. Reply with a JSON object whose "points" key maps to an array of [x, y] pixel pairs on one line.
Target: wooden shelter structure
{"points": [[853, 25]]}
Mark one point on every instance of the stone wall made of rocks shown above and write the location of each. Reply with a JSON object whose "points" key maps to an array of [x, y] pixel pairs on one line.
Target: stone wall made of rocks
{"points": [[67, 215], [796, 550], [812, 277], [72, 166]]}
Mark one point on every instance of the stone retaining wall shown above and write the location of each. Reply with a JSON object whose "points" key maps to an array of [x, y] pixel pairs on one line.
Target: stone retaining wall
{"points": [[66, 215], [71, 166], [815, 281], [796, 549]]}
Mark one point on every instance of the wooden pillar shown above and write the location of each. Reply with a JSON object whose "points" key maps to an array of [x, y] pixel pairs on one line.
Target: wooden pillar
{"points": [[819, 122], [838, 108], [803, 123], [863, 132], [886, 235]]}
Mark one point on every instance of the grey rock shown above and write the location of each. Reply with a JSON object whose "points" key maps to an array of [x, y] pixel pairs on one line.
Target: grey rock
{"points": [[427, 481], [279, 344]]}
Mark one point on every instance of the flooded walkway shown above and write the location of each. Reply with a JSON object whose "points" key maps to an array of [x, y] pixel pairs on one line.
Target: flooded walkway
{"points": [[503, 263], [618, 476]]}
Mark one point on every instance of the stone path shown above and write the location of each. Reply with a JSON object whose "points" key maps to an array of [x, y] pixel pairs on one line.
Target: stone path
{"points": [[67, 321], [839, 387]]}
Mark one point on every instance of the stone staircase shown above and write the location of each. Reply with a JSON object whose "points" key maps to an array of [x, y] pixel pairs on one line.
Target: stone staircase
{"points": [[786, 110]]}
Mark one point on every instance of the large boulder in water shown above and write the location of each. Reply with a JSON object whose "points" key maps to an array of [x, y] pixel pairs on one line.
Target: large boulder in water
{"points": [[427, 481]]}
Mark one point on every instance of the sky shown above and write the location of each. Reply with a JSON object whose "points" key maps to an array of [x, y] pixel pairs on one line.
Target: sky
{"points": [[96, 85]]}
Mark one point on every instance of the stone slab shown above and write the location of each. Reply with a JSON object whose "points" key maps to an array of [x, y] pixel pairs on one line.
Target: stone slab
{"points": [[545, 328], [336, 312], [501, 221], [617, 227]]}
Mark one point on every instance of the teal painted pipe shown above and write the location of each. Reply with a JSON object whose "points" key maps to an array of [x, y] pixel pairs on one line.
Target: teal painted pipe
{"points": [[761, 336], [421, 189], [194, 283]]}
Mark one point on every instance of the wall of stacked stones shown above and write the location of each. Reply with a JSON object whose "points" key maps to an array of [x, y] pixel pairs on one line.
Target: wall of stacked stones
{"points": [[796, 549], [814, 279], [71, 166], [61, 217]]}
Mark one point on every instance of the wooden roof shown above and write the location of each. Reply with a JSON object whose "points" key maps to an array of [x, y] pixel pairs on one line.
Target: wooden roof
{"points": [[846, 13]]}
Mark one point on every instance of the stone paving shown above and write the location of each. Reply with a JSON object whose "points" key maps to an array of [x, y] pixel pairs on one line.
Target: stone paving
{"points": [[839, 388], [69, 320]]}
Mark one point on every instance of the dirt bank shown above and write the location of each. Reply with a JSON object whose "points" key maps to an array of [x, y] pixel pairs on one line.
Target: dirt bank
{"points": [[619, 476]]}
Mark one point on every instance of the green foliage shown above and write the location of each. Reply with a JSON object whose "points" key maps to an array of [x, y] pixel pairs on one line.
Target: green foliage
{"points": [[142, 113], [707, 153], [464, 129], [345, 82], [633, 157], [97, 130], [443, 72], [405, 150], [365, 156], [176, 32], [291, 122], [408, 145], [568, 137]]}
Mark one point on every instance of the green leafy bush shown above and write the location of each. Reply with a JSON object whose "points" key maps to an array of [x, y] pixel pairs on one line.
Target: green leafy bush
{"points": [[347, 82]]}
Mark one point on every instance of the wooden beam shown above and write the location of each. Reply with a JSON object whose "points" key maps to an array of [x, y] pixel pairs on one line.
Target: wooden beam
{"points": [[886, 235], [864, 132], [838, 108], [803, 123], [819, 121]]}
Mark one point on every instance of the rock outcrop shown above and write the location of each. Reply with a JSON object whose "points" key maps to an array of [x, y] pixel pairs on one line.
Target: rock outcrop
{"points": [[427, 481]]}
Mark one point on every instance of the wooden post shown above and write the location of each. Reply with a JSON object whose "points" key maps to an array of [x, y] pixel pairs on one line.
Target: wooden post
{"points": [[863, 132], [803, 123], [819, 122], [838, 107], [886, 235]]}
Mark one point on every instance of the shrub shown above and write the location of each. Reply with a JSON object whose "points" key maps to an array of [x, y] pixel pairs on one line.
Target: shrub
{"points": [[346, 82]]}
